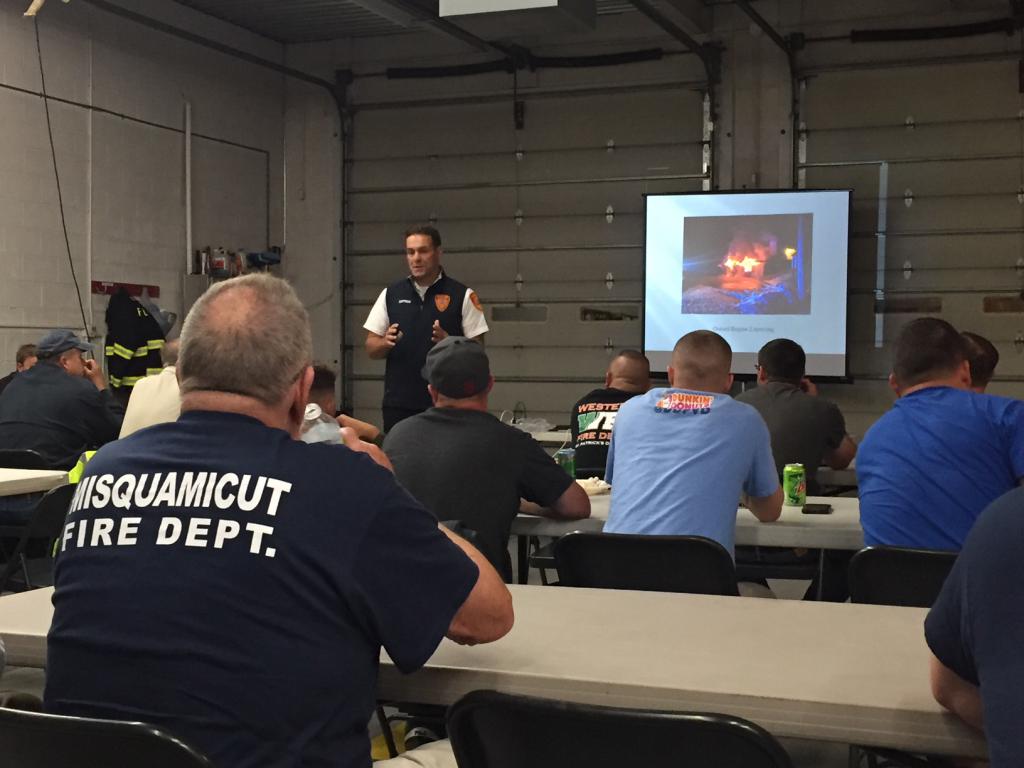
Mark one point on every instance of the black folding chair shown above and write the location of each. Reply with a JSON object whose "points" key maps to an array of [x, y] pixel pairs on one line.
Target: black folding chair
{"points": [[901, 577], [46, 522], [896, 576], [11, 458], [647, 563], [37, 740], [496, 730]]}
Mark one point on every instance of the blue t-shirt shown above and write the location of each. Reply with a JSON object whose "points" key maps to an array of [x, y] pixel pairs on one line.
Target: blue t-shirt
{"points": [[929, 466], [235, 586], [976, 627], [679, 460]]}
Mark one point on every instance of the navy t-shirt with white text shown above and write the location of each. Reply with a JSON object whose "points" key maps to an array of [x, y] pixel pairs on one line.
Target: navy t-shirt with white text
{"points": [[234, 586]]}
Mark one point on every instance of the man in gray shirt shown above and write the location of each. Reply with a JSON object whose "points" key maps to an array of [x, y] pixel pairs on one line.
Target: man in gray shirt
{"points": [[463, 464], [805, 429]]}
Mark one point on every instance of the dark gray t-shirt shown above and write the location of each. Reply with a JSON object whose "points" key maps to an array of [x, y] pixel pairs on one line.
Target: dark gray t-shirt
{"points": [[467, 466], [803, 428]]}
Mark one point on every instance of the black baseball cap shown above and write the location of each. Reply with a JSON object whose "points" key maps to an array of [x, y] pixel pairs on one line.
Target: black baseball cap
{"points": [[457, 367], [60, 340]]}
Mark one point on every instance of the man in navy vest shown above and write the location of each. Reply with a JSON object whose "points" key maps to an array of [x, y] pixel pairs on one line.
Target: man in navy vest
{"points": [[410, 316]]}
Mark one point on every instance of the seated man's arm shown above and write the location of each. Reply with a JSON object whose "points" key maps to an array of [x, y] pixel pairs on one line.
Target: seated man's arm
{"points": [[956, 694], [573, 504], [363, 429], [767, 509], [761, 492], [840, 458], [486, 615]]}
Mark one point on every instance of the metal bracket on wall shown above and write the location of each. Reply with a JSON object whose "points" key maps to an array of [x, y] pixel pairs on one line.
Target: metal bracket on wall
{"points": [[908, 270], [519, 217], [801, 139], [609, 281], [707, 146], [609, 214], [883, 196], [908, 197]]}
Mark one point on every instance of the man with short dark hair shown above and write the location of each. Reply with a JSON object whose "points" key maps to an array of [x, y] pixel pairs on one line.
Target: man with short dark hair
{"points": [[805, 429], [929, 466], [410, 316], [975, 631], [683, 458], [983, 358], [24, 359], [61, 406], [593, 416], [465, 465], [234, 586], [322, 394]]}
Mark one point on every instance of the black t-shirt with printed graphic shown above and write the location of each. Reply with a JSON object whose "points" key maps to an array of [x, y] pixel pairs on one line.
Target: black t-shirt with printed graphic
{"points": [[234, 586], [591, 423]]}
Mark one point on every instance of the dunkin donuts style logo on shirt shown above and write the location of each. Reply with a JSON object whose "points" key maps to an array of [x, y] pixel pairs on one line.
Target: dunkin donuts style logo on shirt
{"points": [[684, 403]]}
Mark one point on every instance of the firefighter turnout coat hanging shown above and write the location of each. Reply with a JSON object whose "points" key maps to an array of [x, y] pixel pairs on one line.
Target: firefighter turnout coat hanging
{"points": [[134, 340]]}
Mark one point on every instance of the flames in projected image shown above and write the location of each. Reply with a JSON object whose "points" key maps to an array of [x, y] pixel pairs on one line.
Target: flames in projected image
{"points": [[756, 265]]}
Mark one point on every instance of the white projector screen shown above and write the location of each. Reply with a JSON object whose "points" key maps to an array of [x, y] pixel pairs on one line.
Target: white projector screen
{"points": [[751, 266]]}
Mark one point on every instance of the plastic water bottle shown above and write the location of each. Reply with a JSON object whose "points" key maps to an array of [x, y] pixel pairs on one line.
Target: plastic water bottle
{"points": [[318, 427]]}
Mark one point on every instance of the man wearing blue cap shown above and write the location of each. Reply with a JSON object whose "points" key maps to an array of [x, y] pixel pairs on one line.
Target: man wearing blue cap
{"points": [[60, 407]]}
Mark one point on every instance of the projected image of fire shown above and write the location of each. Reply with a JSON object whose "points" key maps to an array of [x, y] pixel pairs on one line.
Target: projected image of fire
{"points": [[747, 265]]}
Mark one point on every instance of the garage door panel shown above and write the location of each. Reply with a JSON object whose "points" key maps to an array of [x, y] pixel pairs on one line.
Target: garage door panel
{"points": [[887, 96], [945, 213], [901, 144], [599, 163], [444, 171], [625, 118], [427, 130], [580, 231], [419, 205]]}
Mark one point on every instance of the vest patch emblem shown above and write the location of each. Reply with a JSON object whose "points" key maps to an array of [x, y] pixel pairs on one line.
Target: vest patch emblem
{"points": [[476, 301], [442, 301]]}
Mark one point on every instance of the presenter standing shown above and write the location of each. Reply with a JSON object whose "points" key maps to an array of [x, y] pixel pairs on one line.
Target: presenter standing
{"points": [[413, 314]]}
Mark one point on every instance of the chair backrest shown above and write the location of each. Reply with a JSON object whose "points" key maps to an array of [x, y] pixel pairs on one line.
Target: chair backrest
{"points": [[895, 576], [647, 563], [37, 740], [46, 521], [11, 458], [497, 730]]}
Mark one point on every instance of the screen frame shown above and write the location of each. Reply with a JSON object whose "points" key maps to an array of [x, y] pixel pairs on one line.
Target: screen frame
{"points": [[748, 377]]}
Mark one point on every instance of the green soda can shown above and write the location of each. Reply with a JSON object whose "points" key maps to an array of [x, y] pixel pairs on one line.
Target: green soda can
{"points": [[566, 458], [794, 485]]}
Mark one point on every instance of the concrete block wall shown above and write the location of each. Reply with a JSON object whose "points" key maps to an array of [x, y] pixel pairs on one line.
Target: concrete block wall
{"points": [[123, 177]]}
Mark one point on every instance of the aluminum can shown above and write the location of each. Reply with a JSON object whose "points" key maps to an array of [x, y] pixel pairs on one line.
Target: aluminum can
{"points": [[794, 485], [566, 458]]}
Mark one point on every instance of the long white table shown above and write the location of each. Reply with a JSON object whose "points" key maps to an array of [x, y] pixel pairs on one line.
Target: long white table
{"points": [[15, 481], [838, 530], [832, 672]]}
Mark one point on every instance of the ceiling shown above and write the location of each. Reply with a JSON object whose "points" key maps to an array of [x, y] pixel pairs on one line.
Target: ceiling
{"points": [[305, 21]]}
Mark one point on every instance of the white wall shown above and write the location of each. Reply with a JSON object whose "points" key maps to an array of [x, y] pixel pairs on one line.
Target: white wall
{"points": [[122, 180]]}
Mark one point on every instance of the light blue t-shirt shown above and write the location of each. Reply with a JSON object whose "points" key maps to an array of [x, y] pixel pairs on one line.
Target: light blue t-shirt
{"points": [[679, 461], [929, 466]]}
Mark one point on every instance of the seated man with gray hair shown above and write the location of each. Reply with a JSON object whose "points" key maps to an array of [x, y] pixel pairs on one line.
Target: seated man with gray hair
{"points": [[226, 582]]}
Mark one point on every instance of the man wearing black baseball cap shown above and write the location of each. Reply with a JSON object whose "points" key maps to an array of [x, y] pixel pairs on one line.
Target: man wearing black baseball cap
{"points": [[61, 406], [463, 464]]}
